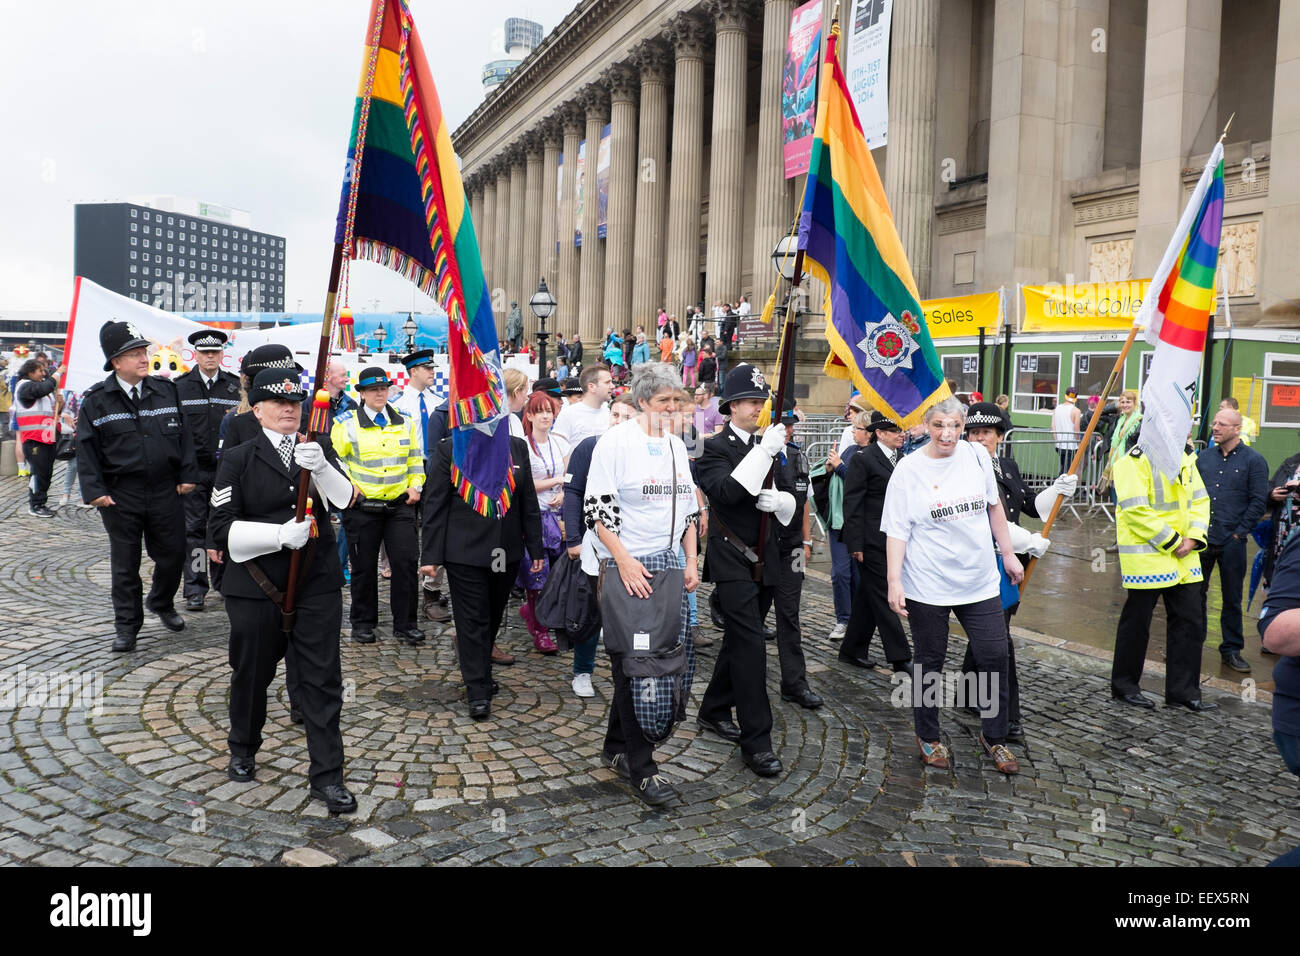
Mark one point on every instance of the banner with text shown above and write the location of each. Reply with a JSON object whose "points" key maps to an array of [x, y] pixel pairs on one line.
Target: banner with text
{"points": [[867, 66], [799, 87], [1082, 307], [963, 315]]}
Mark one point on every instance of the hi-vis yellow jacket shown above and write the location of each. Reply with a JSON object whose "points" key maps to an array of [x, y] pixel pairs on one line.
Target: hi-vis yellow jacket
{"points": [[383, 460], [1153, 517]]}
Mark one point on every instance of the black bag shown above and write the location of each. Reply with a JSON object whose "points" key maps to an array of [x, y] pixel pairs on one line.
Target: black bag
{"points": [[66, 449], [567, 604]]}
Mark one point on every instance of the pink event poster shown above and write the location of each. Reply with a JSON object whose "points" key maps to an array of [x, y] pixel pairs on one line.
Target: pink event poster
{"points": [[799, 87]]}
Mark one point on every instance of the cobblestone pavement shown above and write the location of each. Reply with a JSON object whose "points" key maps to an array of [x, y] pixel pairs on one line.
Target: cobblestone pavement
{"points": [[144, 781]]}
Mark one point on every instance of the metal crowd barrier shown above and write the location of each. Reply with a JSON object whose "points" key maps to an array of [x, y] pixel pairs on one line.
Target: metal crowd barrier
{"points": [[1035, 453]]}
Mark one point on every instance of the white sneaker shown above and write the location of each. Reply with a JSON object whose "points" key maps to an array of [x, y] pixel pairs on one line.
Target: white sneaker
{"points": [[63, 501], [838, 632], [582, 685]]}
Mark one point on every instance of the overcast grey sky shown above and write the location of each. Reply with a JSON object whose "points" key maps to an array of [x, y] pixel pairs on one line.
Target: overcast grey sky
{"points": [[246, 103]]}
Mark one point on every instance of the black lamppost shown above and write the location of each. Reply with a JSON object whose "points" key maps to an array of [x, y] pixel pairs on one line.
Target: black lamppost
{"points": [[410, 328], [380, 335], [783, 261], [543, 305]]}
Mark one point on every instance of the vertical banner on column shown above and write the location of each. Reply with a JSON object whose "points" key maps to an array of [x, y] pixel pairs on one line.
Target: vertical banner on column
{"points": [[602, 184], [867, 67], [559, 200], [579, 170], [799, 87]]}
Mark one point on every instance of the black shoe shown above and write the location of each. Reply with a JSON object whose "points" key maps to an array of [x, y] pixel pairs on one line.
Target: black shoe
{"points": [[242, 769], [769, 634], [171, 620], [496, 688], [764, 764], [363, 637], [480, 709], [338, 798], [41, 512], [194, 602], [866, 663], [1136, 700], [723, 728], [616, 763], [1015, 732], [656, 791], [715, 612], [295, 715], [412, 636], [123, 642], [804, 698], [1236, 662], [1199, 706], [901, 667]]}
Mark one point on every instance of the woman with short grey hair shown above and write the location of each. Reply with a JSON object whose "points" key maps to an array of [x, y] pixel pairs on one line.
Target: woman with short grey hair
{"points": [[940, 505]]}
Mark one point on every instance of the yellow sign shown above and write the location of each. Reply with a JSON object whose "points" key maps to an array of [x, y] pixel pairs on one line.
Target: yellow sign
{"points": [[1082, 307], [962, 315], [1249, 394]]}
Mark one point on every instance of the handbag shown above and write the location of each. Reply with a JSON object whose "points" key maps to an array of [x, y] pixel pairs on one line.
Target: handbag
{"points": [[66, 448]]}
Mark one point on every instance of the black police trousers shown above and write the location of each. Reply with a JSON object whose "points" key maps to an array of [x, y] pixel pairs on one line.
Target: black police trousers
{"points": [[152, 510], [196, 574], [871, 611], [478, 603], [396, 531], [1185, 630], [311, 656], [740, 674], [789, 640]]}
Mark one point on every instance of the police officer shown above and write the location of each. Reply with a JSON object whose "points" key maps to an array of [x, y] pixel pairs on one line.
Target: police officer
{"points": [[794, 538], [382, 453], [239, 426], [253, 521], [135, 460], [732, 471], [207, 394]]}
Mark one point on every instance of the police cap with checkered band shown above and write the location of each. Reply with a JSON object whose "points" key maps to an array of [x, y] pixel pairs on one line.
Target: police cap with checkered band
{"points": [[278, 383]]}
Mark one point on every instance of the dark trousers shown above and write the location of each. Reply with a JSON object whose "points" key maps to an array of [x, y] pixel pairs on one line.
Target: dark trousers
{"points": [[195, 505], [1013, 682], [623, 735], [1231, 559], [1067, 457], [1185, 632], [396, 531], [40, 457], [789, 641], [740, 674], [311, 657], [478, 602], [151, 510], [871, 611], [986, 630]]}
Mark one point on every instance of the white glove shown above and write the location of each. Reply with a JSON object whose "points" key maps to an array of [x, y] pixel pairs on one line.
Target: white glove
{"points": [[1038, 545], [773, 440], [309, 455], [753, 470], [1064, 485], [785, 505], [768, 500], [293, 534], [251, 539]]}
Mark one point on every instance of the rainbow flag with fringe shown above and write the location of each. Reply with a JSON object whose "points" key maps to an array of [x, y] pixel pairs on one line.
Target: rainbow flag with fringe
{"points": [[874, 320], [409, 212], [1176, 320]]}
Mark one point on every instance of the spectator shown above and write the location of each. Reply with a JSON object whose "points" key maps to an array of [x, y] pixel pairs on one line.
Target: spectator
{"points": [[939, 510], [708, 420], [613, 350], [68, 427], [588, 416], [1249, 427], [575, 355], [848, 437], [1130, 418], [1236, 477], [1065, 427], [640, 352], [844, 571], [690, 362], [720, 350], [1004, 403], [36, 399], [666, 348], [548, 455], [516, 398], [708, 366]]}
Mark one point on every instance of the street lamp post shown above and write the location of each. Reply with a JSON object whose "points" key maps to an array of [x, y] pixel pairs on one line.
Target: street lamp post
{"points": [[380, 335], [543, 305], [784, 257], [410, 328]]}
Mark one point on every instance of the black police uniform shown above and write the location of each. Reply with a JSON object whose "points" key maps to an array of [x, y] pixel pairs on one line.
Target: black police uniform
{"points": [[203, 406], [791, 476], [481, 556], [138, 454], [252, 483]]}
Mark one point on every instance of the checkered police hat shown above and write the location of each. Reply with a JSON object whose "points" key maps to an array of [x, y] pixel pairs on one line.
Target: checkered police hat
{"points": [[208, 340], [276, 383]]}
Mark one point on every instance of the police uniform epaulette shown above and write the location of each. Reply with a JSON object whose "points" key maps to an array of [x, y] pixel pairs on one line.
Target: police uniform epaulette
{"points": [[1136, 453], [94, 388], [344, 416]]}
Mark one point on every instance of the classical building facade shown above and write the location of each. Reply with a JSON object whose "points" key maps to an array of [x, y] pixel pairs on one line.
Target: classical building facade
{"points": [[1029, 142]]}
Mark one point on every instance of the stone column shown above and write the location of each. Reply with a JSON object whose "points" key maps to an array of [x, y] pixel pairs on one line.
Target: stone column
{"points": [[911, 170], [773, 202], [515, 228], [549, 257], [501, 248], [531, 269], [475, 190], [623, 83], [488, 231], [689, 37], [727, 152], [1182, 74], [566, 313], [1279, 285], [653, 59], [591, 263]]}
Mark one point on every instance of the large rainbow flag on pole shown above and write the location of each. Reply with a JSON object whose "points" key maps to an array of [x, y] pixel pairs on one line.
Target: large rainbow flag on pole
{"points": [[403, 205], [874, 320], [1176, 320]]}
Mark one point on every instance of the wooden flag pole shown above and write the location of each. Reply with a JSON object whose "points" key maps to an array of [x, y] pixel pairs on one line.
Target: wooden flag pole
{"points": [[1115, 373]]}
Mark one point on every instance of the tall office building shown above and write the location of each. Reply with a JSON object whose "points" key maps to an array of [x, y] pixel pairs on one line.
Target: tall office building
{"points": [[180, 255]]}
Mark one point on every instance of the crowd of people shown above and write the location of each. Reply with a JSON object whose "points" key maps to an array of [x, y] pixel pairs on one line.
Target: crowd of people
{"points": [[620, 488]]}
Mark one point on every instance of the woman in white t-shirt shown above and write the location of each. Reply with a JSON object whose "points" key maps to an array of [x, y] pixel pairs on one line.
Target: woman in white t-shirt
{"points": [[942, 515], [549, 454], [640, 477]]}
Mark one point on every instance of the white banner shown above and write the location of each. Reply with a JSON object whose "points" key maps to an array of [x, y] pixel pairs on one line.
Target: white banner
{"points": [[866, 66]]}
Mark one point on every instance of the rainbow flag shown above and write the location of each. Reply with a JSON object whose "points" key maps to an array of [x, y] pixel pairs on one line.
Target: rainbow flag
{"points": [[874, 320], [1176, 320], [408, 211]]}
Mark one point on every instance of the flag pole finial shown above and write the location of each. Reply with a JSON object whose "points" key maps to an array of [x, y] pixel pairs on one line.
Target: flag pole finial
{"points": [[1227, 126]]}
